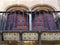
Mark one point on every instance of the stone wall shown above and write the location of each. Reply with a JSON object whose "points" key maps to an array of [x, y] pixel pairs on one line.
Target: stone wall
{"points": [[4, 4]]}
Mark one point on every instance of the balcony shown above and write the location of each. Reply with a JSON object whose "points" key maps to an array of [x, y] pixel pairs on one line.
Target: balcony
{"points": [[28, 27]]}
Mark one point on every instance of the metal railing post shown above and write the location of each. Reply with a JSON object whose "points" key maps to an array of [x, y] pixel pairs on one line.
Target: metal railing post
{"points": [[40, 43], [20, 40], [14, 21], [30, 21], [23, 19], [5, 21]]}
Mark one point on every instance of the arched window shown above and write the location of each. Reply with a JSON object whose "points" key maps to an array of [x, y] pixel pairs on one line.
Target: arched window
{"points": [[17, 20], [42, 19]]}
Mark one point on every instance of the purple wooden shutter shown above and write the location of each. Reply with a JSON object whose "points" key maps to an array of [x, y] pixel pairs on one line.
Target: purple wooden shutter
{"points": [[39, 23], [45, 21], [9, 22], [50, 21], [17, 19], [21, 24]]}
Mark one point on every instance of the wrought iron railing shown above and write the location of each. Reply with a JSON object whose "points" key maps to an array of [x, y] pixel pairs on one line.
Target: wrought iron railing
{"points": [[19, 21]]}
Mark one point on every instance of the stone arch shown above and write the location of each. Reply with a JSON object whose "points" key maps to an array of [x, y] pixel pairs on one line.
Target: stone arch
{"points": [[43, 17], [43, 7], [17, 7]]}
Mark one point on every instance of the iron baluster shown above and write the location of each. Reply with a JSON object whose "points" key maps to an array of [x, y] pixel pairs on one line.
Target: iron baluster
{"points": [[2, 22], [14, 24], [23, 20], [54, 23], [9, 21], [36, 21], [48, 20], [6, 21], [27, 20], [41, 18], [18, 18], [59, 24]]}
